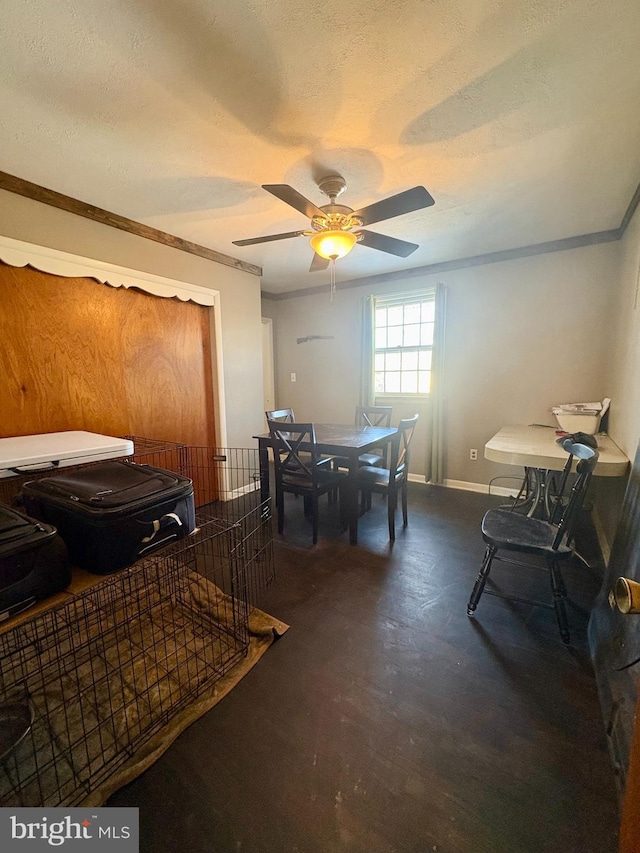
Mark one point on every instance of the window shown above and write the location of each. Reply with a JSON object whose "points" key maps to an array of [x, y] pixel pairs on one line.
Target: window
{"points": [[403, 344]]}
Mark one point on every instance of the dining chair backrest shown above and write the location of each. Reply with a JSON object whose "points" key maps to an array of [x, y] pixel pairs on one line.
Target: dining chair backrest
{"points": [[289, 459], [575, 449], [281, 415], [399, 459], [373, 416], [588, 460]]}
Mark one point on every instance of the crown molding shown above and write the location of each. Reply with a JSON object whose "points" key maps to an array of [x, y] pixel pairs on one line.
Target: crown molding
{"points": [[63, 202], [477, 260], [113, 220], [631, 209], [462, 263]]}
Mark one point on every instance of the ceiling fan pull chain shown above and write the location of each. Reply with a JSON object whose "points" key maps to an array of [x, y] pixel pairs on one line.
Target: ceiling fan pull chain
{"points": [[332, 276]]}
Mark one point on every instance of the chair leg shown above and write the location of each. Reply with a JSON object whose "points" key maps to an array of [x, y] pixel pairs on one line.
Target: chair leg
{"points": [[559, 593], [483, 574], [314, 513], [280, 510], [560, 581], [342, 508], [405, 515], [391, 511]]}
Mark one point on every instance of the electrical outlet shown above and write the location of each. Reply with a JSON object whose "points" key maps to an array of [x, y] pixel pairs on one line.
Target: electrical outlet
{"points": [[473, 454], [293, 377]]}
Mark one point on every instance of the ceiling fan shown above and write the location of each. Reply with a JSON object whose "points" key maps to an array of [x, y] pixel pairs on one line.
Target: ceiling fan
{"points": [[334, 228]]}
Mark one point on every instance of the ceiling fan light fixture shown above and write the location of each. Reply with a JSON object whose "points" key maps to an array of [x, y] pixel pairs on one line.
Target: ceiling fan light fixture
{"points": [[333, 244]]}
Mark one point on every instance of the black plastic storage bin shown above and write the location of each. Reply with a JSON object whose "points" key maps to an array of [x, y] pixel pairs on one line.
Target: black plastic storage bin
{"points": [[34, 563], [113, 513]]}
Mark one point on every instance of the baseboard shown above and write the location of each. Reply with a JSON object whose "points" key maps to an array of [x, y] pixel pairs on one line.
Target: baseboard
{"points": [[465, 486], [603, 541], [238, 493], [482, 488]]}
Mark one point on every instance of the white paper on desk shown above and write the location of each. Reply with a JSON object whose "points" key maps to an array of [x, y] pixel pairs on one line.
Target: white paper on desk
{"points": [[580, 408]]}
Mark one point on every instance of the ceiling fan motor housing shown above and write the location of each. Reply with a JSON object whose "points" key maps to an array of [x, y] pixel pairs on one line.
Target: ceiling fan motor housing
{"points": [[333, 186]]}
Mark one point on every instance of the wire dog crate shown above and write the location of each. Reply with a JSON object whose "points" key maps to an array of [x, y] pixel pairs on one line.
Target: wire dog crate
{"points": [[226, 485], [86, 683], [104, 672], [226, 494]]}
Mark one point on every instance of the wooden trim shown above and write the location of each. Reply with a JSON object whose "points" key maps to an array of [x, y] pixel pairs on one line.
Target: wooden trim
{"points": [[17, 253], [13, 184], [105, 217], [462, 263], [218, 372], [628, 216]]}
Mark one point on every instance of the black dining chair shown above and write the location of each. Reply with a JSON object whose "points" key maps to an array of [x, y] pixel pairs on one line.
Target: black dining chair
{"points": [[393, 480], [505, 530], [285, 416], [298, 472], [374, 416]]}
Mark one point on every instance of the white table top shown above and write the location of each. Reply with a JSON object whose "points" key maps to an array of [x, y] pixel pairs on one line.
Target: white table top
{"points": [[535, 447]]}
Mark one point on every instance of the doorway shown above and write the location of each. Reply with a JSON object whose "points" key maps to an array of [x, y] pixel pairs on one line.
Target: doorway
{"points": [[268, 372]]}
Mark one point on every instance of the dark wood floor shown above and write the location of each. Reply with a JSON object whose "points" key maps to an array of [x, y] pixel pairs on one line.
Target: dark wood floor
{"points": [[386, 720]]}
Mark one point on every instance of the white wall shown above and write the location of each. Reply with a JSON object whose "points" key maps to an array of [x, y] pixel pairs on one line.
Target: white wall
{"points": [[28, 220], [624, 374], [522, 335], [624, 343]]}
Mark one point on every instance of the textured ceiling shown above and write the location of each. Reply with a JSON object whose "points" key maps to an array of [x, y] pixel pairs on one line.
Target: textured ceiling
{"points": [[522, 119]]}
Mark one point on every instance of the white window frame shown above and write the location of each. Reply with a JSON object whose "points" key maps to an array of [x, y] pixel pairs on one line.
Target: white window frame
{"points": [[405, 347]]}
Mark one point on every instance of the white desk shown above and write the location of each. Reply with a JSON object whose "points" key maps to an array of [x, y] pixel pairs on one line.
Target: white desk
{"points": [[534, 448]]}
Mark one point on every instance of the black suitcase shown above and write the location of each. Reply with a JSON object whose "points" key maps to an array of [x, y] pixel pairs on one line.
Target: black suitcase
{"points": [[34, 563], [113, 513]]}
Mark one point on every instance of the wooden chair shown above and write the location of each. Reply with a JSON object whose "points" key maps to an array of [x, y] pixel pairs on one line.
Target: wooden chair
{"points": [[393, 480], [285, 416], [370, 416], [505, 530], [298, 472], [374, 416]]}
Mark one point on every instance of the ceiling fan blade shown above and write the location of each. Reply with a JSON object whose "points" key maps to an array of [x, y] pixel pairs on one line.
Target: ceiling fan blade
{"points": [[391, 245], [253, 240], [318, 263], [395, 205], [290, 196]]}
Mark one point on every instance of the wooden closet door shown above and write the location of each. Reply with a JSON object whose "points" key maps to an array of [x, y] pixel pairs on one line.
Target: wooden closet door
{"points": [[78, 354]]}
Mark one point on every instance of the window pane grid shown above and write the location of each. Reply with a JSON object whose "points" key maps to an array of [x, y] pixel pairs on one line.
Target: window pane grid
{"points": [[404, 333]]}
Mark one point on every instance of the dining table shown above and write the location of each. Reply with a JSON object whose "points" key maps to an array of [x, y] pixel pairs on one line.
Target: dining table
{"points": [[344, 441]]}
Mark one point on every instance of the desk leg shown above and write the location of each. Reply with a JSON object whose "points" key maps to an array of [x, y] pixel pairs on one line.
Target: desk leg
{"points": [[263, 456], [539, 491]]}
